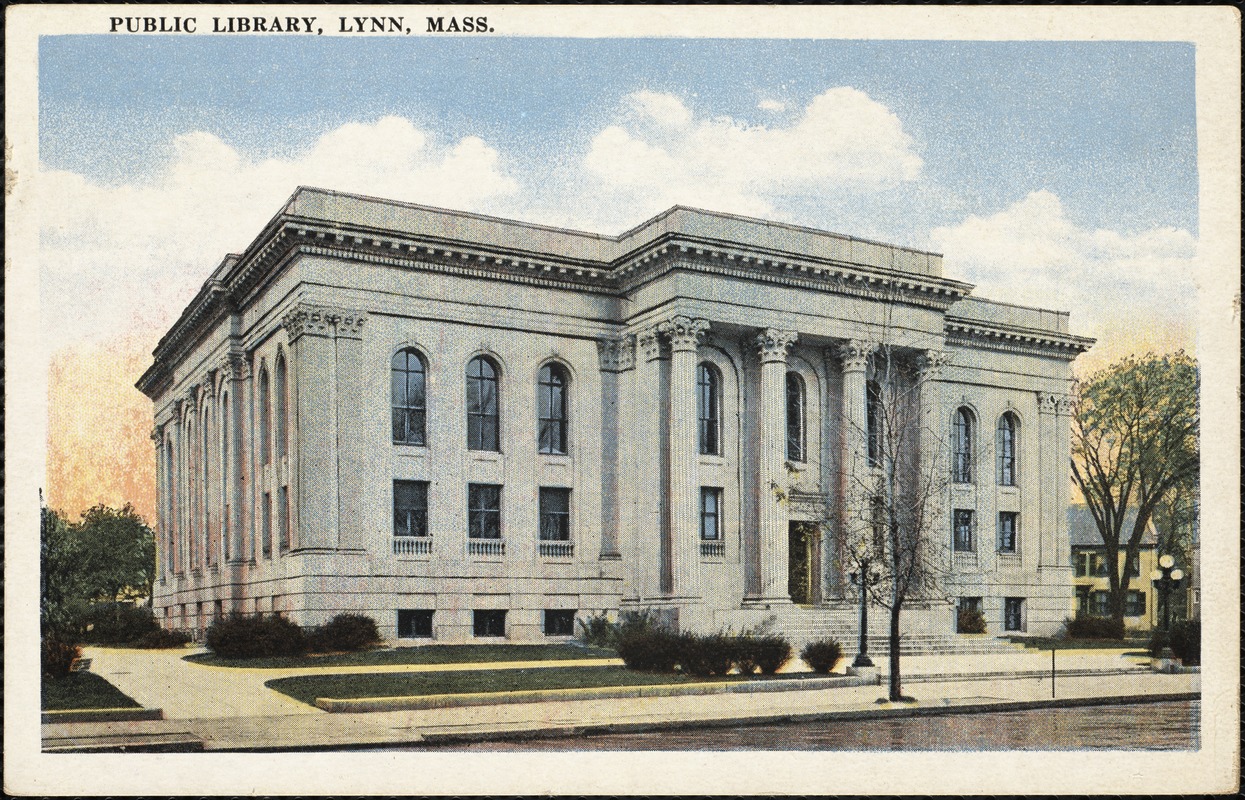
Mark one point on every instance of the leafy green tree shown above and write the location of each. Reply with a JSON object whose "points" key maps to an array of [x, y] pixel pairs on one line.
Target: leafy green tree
{"points": [[117, 553], [108, 555], [1135, 447]]}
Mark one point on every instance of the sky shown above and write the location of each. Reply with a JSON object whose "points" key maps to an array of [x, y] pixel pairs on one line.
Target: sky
{"points": [[1056, 174]]}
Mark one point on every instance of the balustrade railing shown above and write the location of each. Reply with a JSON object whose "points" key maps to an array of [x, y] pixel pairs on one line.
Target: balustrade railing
{"points": [[557, 549], [712, 549], [486, 547], [412, 545]]}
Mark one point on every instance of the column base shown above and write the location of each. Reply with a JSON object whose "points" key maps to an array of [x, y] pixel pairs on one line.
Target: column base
{"points": [[767, 603]]}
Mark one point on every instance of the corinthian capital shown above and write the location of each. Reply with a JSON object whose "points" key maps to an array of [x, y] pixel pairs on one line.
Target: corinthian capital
{"points": [[685, 332], [648, 343], [238, 366], [773, 344], [308, 321], [855, 353], [349, 324], [931, 362], [616, 354]]}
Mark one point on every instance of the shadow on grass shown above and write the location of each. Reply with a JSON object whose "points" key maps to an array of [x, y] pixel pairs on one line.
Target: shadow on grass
{"points": [[426, 654], [81, 691]]}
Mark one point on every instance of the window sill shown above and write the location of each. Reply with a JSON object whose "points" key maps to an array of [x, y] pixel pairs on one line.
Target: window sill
{"points": [[561, 459], [489, 456]]}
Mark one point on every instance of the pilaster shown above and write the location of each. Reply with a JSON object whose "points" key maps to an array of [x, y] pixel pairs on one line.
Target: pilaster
{"points": [[616, 355], [854, 356], [650, 564]]}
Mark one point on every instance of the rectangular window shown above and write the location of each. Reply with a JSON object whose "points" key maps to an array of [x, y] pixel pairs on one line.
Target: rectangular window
{"points": [[1013, 613], [410, 508], [283, 517], [488, 623], [483, 511], [1098, 565], [1082, 600], [968, 608], [1007, 531], [555, 515], [559, 622], [963, 530], [1080, 563], [1135, 603], [710, 514], [265, 532], [1100, 604], [414, 624]]}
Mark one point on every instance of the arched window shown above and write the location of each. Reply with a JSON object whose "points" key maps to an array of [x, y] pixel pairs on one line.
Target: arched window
{"points": [[408, 397], [265, 418], [551, 409], [708, 408], [962, 447], [873, 422], [482, 403], [795, 417], [282, 413], [1005, 443]]}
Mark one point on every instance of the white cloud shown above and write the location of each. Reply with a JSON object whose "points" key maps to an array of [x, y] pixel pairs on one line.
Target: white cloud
{"points": [[116, 257], [661, 154], [1031, 253]]}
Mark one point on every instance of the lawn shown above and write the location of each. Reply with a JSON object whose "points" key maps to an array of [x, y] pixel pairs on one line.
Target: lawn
{"points": [[83, 690], [1048, 642], [406, 684], [432, 654]]}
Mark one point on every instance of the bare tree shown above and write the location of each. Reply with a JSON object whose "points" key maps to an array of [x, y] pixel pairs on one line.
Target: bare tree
{"points": [[896, 530]]}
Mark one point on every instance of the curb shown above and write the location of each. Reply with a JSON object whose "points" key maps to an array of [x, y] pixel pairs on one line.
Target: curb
{"points": [[1035, 673], [101, 715], [434, 737], [424, 702]]}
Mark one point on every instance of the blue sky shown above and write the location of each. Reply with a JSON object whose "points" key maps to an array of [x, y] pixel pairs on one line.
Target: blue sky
{"points": [[1031, 165]]}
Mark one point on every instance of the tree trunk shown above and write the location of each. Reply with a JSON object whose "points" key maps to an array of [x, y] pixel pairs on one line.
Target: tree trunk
{"points": [[896, 688]]}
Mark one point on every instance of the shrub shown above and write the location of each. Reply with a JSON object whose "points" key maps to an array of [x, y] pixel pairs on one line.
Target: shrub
{"points": [[654, 650], [161, 639], [239, 636], [1185, 641], [970, 620], [706, 655], [344, 633], [822, 655], [771, 653], [598, 630], [745, 654], [117, 623], [57, 656], [1087, 627]]}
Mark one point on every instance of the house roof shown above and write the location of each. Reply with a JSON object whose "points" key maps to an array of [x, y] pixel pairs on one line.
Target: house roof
{"points": [[1083, 531]]}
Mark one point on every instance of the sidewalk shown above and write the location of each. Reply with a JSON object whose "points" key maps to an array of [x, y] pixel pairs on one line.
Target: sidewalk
{"points": [[230, 709]]}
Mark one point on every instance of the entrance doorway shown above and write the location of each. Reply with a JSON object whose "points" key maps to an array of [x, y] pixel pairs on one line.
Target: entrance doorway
{"points": [[800, 562]]}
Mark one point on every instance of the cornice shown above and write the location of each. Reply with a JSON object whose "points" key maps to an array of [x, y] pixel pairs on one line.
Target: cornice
{"points": [[1027, 341]]}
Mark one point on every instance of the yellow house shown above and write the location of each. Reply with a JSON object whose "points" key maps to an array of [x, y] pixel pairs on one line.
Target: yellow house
{"points": [[1089, 571]]}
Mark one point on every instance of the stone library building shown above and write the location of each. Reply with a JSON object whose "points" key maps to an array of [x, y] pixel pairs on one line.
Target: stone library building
{"points": [[469, 427]]}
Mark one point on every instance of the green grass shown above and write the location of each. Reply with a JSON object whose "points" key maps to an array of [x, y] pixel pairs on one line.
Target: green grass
{"points": [[431, 654], [398, 684], [83, 690], [1047, 642]]}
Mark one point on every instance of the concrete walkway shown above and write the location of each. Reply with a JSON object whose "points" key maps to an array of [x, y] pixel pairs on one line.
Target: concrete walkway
{"points": [[230, 709]]}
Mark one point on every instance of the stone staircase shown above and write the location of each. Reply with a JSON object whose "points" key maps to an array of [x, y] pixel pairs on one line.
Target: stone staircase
{"points": [[801, 625]]}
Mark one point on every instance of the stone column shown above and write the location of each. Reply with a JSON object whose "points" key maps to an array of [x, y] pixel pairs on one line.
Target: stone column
{"points": [[615, 356], [351, 434], [649, 568], [162, 498], [854, 356], [174, 484], [772, 346], [685, 334], [1054, 441], [312, 346], [238, 374], [932, 447]]}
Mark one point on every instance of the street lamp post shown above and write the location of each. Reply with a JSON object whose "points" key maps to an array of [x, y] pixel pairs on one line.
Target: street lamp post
{"points": [[1166, 578], [862, 580]]}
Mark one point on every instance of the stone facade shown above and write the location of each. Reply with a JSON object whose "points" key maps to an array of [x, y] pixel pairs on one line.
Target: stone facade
{"points": [[673, 419]]}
